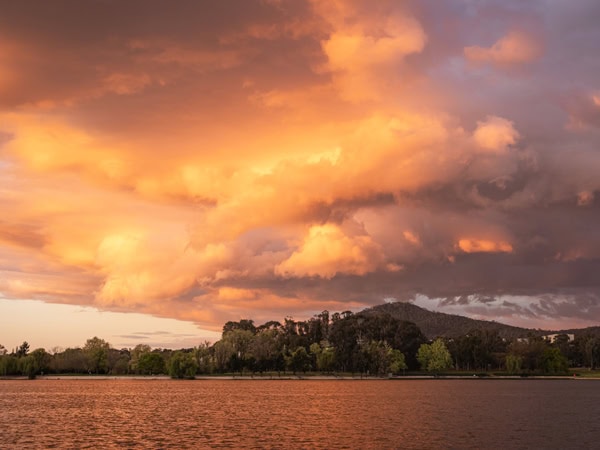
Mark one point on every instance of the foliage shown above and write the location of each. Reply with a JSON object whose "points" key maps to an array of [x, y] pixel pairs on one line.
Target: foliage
{"points": [[434, 357], [514, 364], [96, 351], [480, 349], [397, 361], [372, 342], [151, 364], [554, 362], [182, 365], [23, 349], [324, 355], [41, 360], [437, 324], [298, 360]]}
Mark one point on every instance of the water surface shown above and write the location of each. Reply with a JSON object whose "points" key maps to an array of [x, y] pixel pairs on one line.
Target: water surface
{"points": [[460, 414]]}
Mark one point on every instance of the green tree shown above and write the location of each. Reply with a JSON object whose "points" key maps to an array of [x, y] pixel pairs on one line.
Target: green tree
{"points": [[41, 360], [118, 361], [182, 365], [151, 364], [136, 353], [553, 361], [96, 351], [592, 352], [298, 360], [324, 355], [265, 349], [27, 366], [434, 357], [514, 363], [223, 351], [203, 354], [397, 361], [240, 341], [531, 351], [72, 360]]}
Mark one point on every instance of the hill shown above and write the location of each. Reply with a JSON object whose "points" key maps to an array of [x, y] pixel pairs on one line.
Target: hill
{"points": [[437, 324]]}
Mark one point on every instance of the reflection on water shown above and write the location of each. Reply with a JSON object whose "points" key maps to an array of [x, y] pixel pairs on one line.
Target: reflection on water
{"points": [[299, 414]]}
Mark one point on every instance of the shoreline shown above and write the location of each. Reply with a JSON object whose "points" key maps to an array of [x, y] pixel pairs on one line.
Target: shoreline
{"points": [[297, 377]]}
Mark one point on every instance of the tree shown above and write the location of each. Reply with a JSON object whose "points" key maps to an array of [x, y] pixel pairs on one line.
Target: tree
{"points": [[240, 341], [324, 355], [592, 352], [136, 353], [553, 361], [397, 361], [434, 357], [9, 365], [118, 361], [244, 324], [96, 351], [151, 364], [264, 348], [41, 360], [298, 360], [72, 360], [23, 349], [223, 351], [479, 349], [514, 363], [531, 351], [182, 365], [203, 354], [27, 366]]}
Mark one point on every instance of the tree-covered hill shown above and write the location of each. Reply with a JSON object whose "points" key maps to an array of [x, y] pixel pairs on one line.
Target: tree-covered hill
{"points": [[437, 324]]}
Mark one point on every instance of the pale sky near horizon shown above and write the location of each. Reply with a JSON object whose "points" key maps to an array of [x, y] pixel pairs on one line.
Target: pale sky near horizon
{"points": [[172, 167]]}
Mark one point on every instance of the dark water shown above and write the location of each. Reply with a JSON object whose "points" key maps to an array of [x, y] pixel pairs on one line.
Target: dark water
{"points": [[300, 414]]}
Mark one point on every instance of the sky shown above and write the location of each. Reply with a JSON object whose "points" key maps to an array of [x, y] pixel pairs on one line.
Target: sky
{"points": [[167, 168]]}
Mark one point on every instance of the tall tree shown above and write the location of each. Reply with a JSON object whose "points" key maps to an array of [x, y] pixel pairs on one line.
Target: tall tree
{"points": [[96, 351], [23, 349]]}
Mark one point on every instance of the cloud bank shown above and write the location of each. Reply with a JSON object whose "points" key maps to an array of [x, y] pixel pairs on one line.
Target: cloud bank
{"points": [[210, 162]]}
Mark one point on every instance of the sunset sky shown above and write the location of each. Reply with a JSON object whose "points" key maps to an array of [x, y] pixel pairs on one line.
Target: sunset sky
{"points": [[166, 167]]}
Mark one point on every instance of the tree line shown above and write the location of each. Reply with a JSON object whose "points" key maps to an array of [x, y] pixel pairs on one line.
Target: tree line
{"points": [[370, 345]]}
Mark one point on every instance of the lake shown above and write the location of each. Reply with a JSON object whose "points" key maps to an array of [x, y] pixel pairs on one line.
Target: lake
{"points": [[380, 414]]}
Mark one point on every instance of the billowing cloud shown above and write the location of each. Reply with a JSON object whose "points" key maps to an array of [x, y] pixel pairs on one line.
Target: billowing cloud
{"points": [[269, 158], [327, 251], [362, 47], [495, 134]]}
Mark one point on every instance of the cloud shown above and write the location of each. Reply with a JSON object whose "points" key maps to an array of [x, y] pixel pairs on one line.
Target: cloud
{"points": [[327, 251], [495, 134], [259, 159], [513, 48], [360, 51], [483, 245]]}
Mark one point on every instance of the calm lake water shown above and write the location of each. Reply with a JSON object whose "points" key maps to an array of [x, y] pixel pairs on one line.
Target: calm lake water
{"points": [[428, 414]]}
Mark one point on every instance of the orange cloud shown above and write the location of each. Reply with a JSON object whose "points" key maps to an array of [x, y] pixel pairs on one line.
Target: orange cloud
{"points": [[327, 251], [411, 237], [204, 166], [495, 134], [484, 246], [514, 48], [360, 54]]}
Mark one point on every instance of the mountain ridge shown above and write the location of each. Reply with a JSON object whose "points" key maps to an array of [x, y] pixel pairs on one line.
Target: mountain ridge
{"points": [[438, 324]]}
